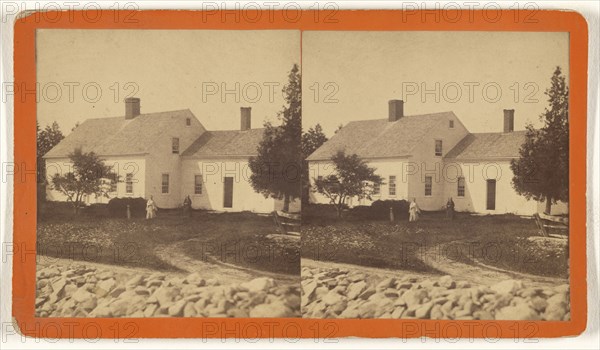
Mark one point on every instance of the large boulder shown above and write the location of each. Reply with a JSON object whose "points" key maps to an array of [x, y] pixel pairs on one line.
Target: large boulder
{"points": [[556, 307], [355, 289], [447, 282], [507, 287], [517, 313], [259, 284], [165, 295], [276, 309]]}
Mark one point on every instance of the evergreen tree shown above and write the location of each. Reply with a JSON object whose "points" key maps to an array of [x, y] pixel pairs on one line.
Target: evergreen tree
{"points": [[277, 169], [542, 171]]}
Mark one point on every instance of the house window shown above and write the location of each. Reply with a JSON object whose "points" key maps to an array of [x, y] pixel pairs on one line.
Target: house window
{"points": [[197, 184], [428, 185], [392, 186], [376, 188], [113, 182], [129, 183], [175, 145], [188, 121], [165, 183], [460, 190], [451, 124], [438, 147]]}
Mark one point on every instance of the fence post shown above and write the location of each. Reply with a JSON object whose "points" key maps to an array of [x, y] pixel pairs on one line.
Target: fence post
{"points": [[391, 214], [128, 212]]}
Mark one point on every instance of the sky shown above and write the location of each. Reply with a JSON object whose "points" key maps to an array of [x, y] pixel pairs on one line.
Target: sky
{"points": [[346, 75], [352, 75], [88, 73]]}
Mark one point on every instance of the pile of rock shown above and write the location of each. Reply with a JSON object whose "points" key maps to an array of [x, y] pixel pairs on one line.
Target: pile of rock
{"points": [[80, 291], [338, 293]]}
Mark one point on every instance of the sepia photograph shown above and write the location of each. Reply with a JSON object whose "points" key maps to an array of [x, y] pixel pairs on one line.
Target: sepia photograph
{"points": [[169, 173], [306, 173], [438, 175]]}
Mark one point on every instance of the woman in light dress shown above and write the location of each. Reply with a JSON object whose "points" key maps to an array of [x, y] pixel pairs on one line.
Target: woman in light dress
{"points": [[150, 208], [413, 211]]}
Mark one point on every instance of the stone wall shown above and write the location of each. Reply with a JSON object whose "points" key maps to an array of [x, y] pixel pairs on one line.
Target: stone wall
{"points": [[339, 293], [80, 291]]}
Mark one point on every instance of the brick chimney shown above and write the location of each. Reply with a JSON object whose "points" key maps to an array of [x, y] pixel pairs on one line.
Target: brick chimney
{"points": [[132, 107], [509, 120], [396, 110], [246, 119]]}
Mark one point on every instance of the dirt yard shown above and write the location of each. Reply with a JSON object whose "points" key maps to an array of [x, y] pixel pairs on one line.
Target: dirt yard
{"points": [[508, 243], [244, 241]]}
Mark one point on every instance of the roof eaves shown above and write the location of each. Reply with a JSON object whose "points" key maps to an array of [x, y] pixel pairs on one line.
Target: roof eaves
{"points": [[364, 158], [217, 156], [473, 159], [101, 155]]}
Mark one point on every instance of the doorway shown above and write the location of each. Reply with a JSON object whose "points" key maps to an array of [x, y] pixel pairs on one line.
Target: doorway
{"points": [[228, 192], [491, 195]]}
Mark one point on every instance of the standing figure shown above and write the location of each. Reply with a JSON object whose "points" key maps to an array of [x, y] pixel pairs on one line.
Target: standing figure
{"points": [[450, 209], [187, 206], [413, 211], [150, 208]]}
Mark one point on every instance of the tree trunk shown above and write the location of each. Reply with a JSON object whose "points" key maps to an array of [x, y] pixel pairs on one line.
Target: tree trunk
{"points": [[548, 206], [340, 207], [286, 203], [76, 204]]}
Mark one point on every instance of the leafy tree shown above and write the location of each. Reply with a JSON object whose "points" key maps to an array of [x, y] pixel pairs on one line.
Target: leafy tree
{"points": [[542, 170], [277, 169], [311, 140], [352, 178], [89, 176], [47, 138]]}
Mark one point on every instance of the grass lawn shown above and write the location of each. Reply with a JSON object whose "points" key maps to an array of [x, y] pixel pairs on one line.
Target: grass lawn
{"points": [[505, 241], [234, 238]]}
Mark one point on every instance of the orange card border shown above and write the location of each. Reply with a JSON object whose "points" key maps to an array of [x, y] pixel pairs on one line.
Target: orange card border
{"points": [[344, 20]]}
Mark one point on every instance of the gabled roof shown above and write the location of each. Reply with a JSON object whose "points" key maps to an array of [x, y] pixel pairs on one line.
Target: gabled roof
{"points": [[381, 138], [229, 143], [488, 146], [119, 136]]}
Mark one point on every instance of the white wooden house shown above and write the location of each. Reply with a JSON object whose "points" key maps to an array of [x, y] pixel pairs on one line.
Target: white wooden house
{"points": [[169, 155], [431, 158]]}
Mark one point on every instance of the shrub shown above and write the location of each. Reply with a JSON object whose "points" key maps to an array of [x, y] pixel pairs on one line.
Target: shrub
{"points": [[50, 210], [96, 209], [380, 210], [362, 212], [117, 207], [317, 213]]}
